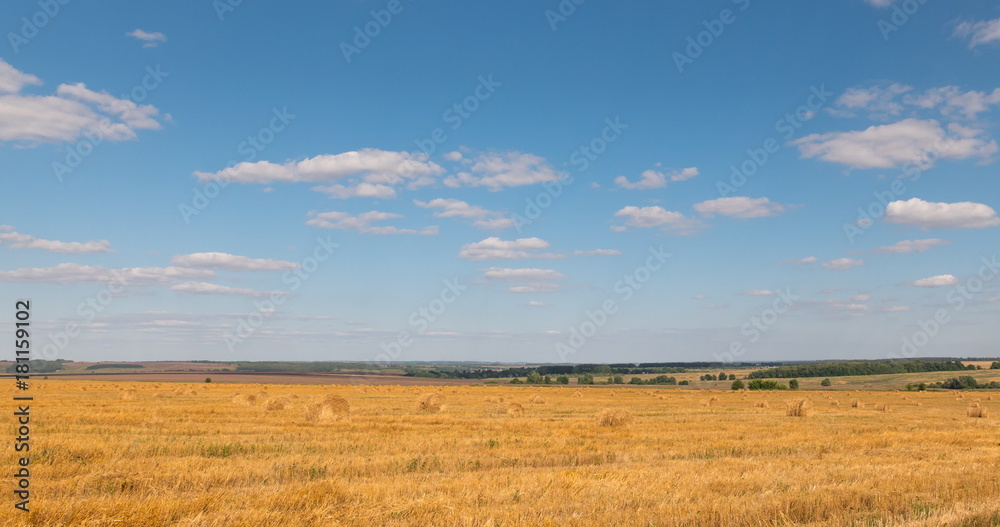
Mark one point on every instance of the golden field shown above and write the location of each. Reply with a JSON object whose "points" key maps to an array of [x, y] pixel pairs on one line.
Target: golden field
{"points": [[146, 454]]}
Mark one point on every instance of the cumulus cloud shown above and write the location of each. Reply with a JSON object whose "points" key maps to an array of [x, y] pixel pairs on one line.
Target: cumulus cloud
{"points": [[953, 102], [739, 207], [507, 169], [655, 216], [230, 262], [920, 213], [911, 246], [15, 240], [71, 273], [843, 264], [494, 248], [362, 223], [453, 208], [979, 33], [67, 115], [911, 141], [879, 101], [800, 261], [151, 40], [361, 190], [204, 288], [526, 280], [656, 179], [598, 252], [943, 280], [758, 292]]}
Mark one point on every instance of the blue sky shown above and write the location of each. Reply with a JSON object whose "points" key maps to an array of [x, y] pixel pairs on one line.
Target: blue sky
{"points": [[532, 181]]}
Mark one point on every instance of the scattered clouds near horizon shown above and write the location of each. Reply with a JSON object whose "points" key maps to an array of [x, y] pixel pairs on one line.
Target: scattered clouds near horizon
{"points": [[843, 264], [979, 33], [71, 273], [204, 288], [453, 208], [525, 280], [598, 252], [65, 116], [230, 262], [943, 280], [650, 179], [496, 170], [925, 214], [151, 40], [888, 100], [362, 223], [14, 240], [911, 246], [656, 217], [739, 207], [494, 248], [801, 261]]}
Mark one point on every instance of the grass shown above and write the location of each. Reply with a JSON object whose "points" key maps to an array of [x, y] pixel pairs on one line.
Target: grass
{"points": [[170, 458]]}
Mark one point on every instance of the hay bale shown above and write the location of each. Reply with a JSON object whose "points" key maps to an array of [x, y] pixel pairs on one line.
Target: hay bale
{"points": [[834, 403], [327, 409], [614, 417], [536, 399], [882, 408], [761, 404], [129, 395], [515, 410], [247, 399], [977, 411], [578, 393], [430, 402], [801, 408], [857, 404], [278, 403]]}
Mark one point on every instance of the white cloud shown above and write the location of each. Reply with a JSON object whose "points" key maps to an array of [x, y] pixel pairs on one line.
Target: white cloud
{"points": [[151, 39], [70, 273], [526, 280], [508, 169], [363, 222], [908, 141], [376, 170], [535, 303], [878, 100], [494, 248], [453, 156], [920, 213], [655, 216], [453, 208], [979, 33], [758, 292], [598, 252], [656, 179], [204, 288], [880, 3], [954, 102], [16, 240], [65, 116], [911, 246], [801, 261], [230, 262], [943, 280], [843, 264], [739, 207]]}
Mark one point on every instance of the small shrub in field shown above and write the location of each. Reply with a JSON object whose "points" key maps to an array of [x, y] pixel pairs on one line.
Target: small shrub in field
{"points": [[430, 402], [882, 408], [857, 404], [615, 417], [327, 409], [278, 403], [761, 404], [515, 410], [977, 411], [536, 399], [129, 395], [248, 399], [801, 408]]}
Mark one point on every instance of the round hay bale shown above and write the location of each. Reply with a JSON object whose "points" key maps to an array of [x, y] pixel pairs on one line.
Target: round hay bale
{"points": [[977, 411], [247, 399], [882, 407], [802, 408], [536, 399], [327, 409], [278, 403], [614, 417], [857, 404], [515, 410], [430, 402], [761, 404]]}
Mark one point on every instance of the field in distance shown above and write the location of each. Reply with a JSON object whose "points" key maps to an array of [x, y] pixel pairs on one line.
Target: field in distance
{"points": [[158, 454]]}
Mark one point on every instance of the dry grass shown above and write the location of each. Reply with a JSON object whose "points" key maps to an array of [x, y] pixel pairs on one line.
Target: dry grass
{"points": [[800, 408], [615, 417], [129, 395], [536, 399], [430, 402], [203, 461], [761, 404], [247, 399]]}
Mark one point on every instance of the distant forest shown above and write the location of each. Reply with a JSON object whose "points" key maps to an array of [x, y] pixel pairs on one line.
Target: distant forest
{"points": [[842, 369]]}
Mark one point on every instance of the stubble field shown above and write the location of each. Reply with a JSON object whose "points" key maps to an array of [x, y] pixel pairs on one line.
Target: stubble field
{"points": [[148, 454]]}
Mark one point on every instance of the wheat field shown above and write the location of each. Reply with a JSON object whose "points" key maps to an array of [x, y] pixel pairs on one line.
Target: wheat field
{"points": [[147, 454]]}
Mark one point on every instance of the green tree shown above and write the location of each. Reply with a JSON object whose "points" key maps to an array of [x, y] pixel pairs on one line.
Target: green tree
{"points": [[793, 384], [562, 379], [737, 385], [635, 380], [826, 382], [534, 378], [515, 380], [618, 379], [723, 376], [585, 378], [922, 387], [732, 376], [684, 383], [603, 369], [208, 379]]}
